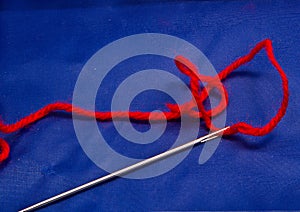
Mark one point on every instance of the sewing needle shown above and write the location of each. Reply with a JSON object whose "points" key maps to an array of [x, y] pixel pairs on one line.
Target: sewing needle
{"points": [[126, 170]]}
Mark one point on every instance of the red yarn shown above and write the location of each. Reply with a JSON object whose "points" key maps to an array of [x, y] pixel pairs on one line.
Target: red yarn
{"points": [[175, 111], [4, 149]]}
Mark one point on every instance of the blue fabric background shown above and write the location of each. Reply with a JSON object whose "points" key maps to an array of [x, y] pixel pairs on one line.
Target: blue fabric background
{"points": [[44, 45]]}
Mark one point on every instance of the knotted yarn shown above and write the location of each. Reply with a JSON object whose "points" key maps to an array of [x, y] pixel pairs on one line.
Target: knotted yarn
{"points": [[175, 111]]}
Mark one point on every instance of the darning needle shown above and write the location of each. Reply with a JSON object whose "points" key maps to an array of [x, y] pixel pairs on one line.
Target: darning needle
{"points": [[126, 170]]}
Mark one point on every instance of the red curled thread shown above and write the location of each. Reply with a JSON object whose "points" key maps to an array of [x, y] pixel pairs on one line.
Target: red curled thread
{"points": [[175, 111]]}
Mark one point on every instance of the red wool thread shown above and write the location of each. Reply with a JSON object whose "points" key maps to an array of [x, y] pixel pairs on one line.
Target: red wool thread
{"points": [[199, 93]]}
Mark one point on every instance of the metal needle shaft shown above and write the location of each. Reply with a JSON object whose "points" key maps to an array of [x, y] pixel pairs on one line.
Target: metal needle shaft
{"points": [[126, 170]]}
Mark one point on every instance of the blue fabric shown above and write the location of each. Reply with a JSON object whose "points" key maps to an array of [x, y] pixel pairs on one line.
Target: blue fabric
{"points": [[44, 46]]}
